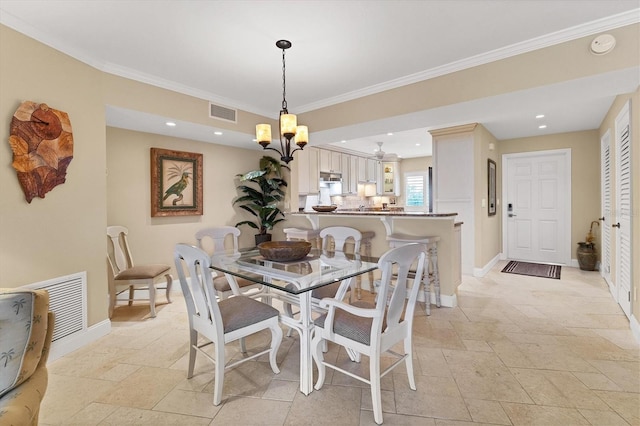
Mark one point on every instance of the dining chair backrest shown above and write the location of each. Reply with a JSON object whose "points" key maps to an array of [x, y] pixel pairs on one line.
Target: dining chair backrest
{"points": [[397, 265], [340, 235], [222, 237], [198, 290], [120, 257]]}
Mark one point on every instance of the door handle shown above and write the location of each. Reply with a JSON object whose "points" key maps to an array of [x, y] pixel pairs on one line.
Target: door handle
{"points": [[512, 215], [601, 218], [616, 225]]}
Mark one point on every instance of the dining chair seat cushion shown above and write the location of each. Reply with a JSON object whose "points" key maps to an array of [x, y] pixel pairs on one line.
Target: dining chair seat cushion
{"points": [[326, 291], [351, 326], [222, 284], [241, 311], [142, 272]]}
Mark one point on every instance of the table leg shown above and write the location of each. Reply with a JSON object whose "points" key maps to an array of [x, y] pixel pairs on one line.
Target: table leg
{"points": [[306, 362]]}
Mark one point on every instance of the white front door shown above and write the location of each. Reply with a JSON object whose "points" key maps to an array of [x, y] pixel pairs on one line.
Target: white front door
{"points": [[606, 219], [623, 210], [537, 206]]}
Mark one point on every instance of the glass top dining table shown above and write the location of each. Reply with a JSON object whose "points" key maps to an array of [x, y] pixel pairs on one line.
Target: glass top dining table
{"points": [[292, 282]]}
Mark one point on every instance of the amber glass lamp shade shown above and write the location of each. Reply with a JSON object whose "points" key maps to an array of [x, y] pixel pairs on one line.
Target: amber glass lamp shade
{"points": [[302, 136], [288, 124], [263, 134]]}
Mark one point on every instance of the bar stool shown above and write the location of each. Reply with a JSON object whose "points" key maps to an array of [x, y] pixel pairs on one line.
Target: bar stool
{"points": [[305, 234], [431, 269], [365, 250]]}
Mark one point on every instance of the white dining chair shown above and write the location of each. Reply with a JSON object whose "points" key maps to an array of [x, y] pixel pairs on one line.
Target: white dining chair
{"points": [[218, 239], [124, 275], [335, 238], [374, 330], [220, 321]]}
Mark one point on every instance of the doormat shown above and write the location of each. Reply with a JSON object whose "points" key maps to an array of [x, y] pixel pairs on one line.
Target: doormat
{"points": [[533, 269]]}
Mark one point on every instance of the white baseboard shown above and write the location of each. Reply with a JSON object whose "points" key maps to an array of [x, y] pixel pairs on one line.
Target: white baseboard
{"points": [[481, 272], [78, 340]]}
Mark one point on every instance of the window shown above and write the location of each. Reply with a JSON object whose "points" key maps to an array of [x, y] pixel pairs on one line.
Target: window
{"points": [[417, 192]]}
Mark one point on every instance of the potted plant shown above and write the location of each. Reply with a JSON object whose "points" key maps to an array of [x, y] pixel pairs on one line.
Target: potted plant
{"points": [[263, 192]]}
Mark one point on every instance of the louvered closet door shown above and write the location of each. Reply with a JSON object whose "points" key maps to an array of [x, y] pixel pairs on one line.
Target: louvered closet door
{"points": [[622, 227], [606, 219]]}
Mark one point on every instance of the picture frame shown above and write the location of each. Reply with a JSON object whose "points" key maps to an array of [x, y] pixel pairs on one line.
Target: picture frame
{"points": [[176, 183], [491, 191]]}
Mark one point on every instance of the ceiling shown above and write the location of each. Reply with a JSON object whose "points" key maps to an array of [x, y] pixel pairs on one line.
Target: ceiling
{"points": [[224, 52]]}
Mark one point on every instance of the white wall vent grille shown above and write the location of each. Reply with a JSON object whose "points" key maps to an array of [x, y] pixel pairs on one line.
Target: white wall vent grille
{"points": [[68, 301], [222, 113]]}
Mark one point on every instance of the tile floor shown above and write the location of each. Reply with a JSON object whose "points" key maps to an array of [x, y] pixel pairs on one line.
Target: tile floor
{"points": [[516, 351]]}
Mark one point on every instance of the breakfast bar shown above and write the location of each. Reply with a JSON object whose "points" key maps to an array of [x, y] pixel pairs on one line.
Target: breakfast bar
{"points": [[387, 222]]}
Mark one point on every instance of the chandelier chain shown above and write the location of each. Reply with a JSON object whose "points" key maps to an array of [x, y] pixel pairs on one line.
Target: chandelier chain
{"points": [[284, 85]]}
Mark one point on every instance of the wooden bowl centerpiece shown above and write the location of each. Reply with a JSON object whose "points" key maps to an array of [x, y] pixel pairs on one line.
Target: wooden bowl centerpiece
{"points": [[284, 251], [324, 208]]}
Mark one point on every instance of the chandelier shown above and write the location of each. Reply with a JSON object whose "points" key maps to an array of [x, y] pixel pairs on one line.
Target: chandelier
{"points": [[289, 128]]}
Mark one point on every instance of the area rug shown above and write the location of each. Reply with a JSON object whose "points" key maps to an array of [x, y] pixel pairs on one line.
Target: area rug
{"points": [[533, 269]]}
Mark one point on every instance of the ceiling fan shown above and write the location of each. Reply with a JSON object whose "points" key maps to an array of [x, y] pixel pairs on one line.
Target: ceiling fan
{"points": [[379, 154]]}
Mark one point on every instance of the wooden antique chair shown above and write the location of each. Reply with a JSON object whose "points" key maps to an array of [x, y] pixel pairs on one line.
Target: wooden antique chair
{"points": [[374, 330], [220, 321], [125, 275]]}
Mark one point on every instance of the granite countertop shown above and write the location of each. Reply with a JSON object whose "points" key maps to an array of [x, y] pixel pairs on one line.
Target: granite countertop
{"points": [[351, 212]]}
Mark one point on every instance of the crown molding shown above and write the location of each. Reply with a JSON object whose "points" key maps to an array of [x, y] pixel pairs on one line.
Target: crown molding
{"points": [[568, 34], [562, 36], [455, 130]]}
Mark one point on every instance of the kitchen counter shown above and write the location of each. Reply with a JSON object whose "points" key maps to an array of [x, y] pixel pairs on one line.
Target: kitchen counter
{"points": [[388, 217], [390, 212], [385, 223]]}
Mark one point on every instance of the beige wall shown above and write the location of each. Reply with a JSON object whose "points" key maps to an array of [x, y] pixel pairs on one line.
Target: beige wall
{"points": [[585, 173], [609, 124], [62, 233], [488, 229], [129, 197]]}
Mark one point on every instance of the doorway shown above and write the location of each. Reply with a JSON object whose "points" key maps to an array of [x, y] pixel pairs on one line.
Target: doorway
{"points": [[624, 210], [536, 194]]}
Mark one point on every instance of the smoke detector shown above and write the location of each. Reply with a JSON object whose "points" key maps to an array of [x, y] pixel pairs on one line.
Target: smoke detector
{"points": [[602, 44]]}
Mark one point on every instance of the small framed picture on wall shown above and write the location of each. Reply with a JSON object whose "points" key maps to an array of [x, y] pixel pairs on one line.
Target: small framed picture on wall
{"points": [[176, 183], [492, 188]]}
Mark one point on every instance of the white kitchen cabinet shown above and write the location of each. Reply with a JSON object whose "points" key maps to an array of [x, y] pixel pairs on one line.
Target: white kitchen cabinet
{"points": [[330, 161], [336, 162], [349, 174], [372, 172], [325, 160], [362, 169], [352, 183], [308, 174], [390, 178]]}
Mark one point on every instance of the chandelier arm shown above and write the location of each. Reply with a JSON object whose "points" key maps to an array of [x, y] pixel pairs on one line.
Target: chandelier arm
{"points": [[272, 149]]}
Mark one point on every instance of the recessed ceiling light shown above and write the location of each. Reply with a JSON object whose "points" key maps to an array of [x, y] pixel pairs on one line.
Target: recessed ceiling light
{"points": [[170, 124], [389, 134], [540, 116], [217, 133], [343, 141], [417, 144], [543, 126]]}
